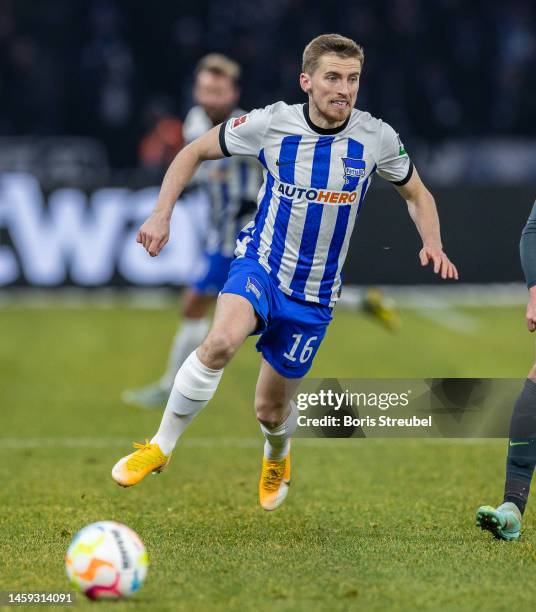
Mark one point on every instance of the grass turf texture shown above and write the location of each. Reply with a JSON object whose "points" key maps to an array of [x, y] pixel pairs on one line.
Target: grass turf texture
{"points": [[368, 524]]}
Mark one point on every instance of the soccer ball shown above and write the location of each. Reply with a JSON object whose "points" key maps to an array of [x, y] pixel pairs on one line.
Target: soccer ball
{"points": [[106, 560]]}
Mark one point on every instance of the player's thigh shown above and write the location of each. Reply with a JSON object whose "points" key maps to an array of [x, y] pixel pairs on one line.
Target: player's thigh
{"points": [[273, 394], [234, 320], [235, 312]]}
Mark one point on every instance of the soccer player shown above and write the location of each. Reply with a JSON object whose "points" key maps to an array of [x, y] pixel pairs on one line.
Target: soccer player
{"points": [[319, 159], [504, 522], [232, 186]]}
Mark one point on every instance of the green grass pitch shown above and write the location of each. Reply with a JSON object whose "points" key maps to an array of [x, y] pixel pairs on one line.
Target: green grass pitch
{"points": [[368, 524]]}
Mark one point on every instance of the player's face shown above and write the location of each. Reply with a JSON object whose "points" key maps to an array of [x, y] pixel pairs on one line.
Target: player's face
{"points": [[332, 88], [216, 93]]}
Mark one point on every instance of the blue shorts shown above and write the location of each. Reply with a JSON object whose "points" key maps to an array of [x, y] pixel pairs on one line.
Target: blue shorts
{"points": [[291, 331], [213, 274]]}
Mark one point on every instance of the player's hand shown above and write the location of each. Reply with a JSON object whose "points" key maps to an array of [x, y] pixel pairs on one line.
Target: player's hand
{"points": [[530, 316], [442, 264], [154, 234]]}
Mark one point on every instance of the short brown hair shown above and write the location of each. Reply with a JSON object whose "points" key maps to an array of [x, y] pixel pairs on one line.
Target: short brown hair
{"points": [[219, 64], [330, 43]]}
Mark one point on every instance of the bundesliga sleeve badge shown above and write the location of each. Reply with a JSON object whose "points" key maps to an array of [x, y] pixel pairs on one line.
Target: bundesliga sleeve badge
{"points": [[401, 147], [239, 121]]}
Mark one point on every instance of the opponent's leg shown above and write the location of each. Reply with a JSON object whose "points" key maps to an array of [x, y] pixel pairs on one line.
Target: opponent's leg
{"points": [[195, 384], [277, 416], [505, 521], [190, 334]]}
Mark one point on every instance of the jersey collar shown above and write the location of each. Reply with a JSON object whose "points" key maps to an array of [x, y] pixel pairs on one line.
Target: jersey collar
{"points": [[320, 130]]}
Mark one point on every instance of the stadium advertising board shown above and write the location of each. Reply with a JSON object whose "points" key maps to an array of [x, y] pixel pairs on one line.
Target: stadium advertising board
{"points": [[80, 237], [74, 237]]}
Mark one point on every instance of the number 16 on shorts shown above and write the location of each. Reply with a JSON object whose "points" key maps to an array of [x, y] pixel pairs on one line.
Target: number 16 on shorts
{"points": [[302, 348]]}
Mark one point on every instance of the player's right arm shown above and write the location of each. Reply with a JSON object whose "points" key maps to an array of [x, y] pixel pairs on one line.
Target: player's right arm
{"points": [[394, 165], [154, 233], [527, 250]]}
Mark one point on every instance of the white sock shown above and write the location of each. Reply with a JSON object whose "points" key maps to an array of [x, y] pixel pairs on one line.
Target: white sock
{"points": [[194, 386], [189, 335], [173, 424], [277, 443]]}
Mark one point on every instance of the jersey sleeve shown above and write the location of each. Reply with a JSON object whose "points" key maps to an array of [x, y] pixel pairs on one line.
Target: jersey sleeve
{"points": [[245, 135], [393, 162], [527, 249]]}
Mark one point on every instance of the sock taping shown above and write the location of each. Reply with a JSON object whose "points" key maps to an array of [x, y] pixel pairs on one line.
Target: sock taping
{"points": [[195, 381]]}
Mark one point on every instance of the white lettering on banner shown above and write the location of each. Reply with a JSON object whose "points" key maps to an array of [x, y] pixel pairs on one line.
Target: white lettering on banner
{"points": [[176, 260], [22, 204], [88, 239], [9, 269], [88, 242]]}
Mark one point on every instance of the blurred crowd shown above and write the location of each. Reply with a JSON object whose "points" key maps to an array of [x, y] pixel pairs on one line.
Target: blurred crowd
{"points": [[115, 69]]}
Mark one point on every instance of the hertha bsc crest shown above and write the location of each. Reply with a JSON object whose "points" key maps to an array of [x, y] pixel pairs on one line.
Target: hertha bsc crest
{"points": [[353, 169]]}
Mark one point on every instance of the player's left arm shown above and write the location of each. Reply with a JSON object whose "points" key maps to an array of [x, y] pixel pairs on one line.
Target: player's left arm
{"points": [[423, 211]]}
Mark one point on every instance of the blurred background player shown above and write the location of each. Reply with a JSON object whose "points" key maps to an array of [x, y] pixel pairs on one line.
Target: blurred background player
{"points": [[231, 186], [504, 522]]}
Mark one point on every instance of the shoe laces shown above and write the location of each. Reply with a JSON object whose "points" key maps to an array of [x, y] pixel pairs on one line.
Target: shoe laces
{"points": [[142, 445], [272, 474], [145, 454]]}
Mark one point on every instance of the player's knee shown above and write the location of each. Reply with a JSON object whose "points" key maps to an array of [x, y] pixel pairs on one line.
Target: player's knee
{"points": [[269, 411], [217, 349], [532, 373]]}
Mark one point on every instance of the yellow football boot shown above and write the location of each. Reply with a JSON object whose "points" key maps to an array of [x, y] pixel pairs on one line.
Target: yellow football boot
{"points": [[274, 482], [145, 459], [381, 308]]}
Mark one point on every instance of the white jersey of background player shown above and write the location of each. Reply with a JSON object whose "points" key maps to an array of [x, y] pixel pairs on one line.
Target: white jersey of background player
{"points": [[231, 186]]}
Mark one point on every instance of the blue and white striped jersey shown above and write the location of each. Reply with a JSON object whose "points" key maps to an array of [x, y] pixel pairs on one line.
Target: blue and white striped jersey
{"points": [[232, 186], [315, 181]]}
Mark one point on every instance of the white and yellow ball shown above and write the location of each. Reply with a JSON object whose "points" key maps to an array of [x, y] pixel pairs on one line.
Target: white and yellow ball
{"points": [[106, 560]]}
